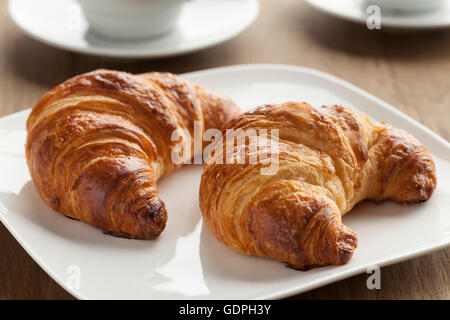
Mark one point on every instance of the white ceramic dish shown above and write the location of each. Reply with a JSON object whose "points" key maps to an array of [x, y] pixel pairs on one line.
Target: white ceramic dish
{"points": [[408, 5], [131, 19], [202, 24], [353, 10], [187, 261]]}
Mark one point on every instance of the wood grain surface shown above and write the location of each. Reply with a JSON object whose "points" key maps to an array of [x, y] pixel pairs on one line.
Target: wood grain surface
{"points": [[409, 71]]}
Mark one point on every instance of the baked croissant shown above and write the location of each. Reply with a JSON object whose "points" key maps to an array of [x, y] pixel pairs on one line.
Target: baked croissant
{"points": [[98, 143], [329, 159]]}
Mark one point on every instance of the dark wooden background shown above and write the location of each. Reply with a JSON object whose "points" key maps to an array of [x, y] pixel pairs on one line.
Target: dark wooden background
{"points": [[409, 71]]}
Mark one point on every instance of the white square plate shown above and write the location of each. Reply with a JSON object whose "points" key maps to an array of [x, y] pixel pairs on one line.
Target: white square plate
{"points": [[187, 262]]}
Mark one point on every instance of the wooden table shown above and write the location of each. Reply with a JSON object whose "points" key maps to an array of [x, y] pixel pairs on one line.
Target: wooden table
{"points": [[412, 72]]}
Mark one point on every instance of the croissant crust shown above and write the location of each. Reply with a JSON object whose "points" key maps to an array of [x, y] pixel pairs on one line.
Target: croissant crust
{"points": [[329, 159], [98, 143]]}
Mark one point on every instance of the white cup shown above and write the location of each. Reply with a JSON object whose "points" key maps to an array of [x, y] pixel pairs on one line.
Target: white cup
{"points": [[408, 5], [131, 19]]}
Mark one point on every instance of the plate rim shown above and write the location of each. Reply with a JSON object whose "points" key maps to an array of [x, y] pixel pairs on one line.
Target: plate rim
{"points": [[387, 22], [424, 249], [137, 54]]}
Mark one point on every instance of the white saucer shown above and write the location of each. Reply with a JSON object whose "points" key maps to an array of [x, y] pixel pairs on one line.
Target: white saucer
{"points": [[203, 23], [353, 10]]}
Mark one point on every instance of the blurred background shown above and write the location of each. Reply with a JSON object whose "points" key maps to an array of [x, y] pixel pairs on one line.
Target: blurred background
{"points": [[409, 70]]}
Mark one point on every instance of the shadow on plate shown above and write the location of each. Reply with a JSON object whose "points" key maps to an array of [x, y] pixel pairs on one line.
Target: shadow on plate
{"points": [[28, 205]]}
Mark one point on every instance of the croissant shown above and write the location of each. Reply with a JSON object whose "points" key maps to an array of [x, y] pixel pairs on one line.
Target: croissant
{"points": [[329, 159], [98, 143]]}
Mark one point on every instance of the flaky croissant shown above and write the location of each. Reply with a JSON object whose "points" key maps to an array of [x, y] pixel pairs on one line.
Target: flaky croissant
{"points": [[98, 143], [329, 159]]}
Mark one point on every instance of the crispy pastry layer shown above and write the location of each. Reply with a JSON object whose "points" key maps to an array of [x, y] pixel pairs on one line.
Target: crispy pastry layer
{"points": [[98, 143], [330, 158]]}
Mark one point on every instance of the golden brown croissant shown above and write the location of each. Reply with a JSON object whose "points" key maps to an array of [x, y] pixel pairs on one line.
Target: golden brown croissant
{"points": [[330, 158], [98, 143]]}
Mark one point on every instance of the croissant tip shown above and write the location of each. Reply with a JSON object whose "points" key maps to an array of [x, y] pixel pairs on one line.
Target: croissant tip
{"points": [[347, 243], [154, 218]]}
